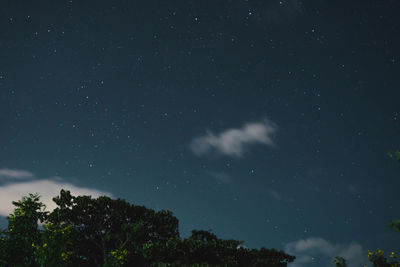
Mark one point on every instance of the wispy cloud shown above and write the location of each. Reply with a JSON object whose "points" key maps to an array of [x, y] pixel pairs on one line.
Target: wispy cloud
{"points": [[234, 142], [318, 249], [14, 173], [47, 188]]}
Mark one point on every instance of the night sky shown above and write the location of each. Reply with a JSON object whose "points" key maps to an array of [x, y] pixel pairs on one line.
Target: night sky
{"points": [[264, 121]]}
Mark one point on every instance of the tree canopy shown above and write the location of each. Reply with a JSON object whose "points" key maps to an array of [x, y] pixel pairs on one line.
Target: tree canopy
{"points": [[86, 231]]}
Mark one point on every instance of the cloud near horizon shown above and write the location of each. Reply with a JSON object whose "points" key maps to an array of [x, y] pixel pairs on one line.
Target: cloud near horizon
{"points": [[318, 249], [15, 173], [234, 142], [46, 188]]}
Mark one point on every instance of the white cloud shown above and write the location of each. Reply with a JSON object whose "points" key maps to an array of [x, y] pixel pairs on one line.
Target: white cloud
{"points": [[13, 173], [47, 188], [318, 249], [234, 142]]}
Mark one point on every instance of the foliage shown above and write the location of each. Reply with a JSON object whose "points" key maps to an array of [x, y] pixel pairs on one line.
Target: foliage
{"points": [[379, 259], [56, 246], [395, 225], [204, 248], [395, 154], [340, 262], [83, 231], [22, 232]]}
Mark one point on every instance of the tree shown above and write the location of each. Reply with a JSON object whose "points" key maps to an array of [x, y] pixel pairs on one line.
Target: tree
{"points": [[395, 154], [379, 259], [204, 248], [395, 225], [340, 262], [104, 227], [86, 231], [3, 249], [22, 233], [57, 245]]}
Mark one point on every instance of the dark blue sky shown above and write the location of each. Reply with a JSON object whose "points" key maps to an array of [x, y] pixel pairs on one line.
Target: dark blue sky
{"points": [[265, 121]]}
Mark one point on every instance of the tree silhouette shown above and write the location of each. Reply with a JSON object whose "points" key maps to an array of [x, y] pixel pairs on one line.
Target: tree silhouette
{"points": [[86, 231], [16, 241]]}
